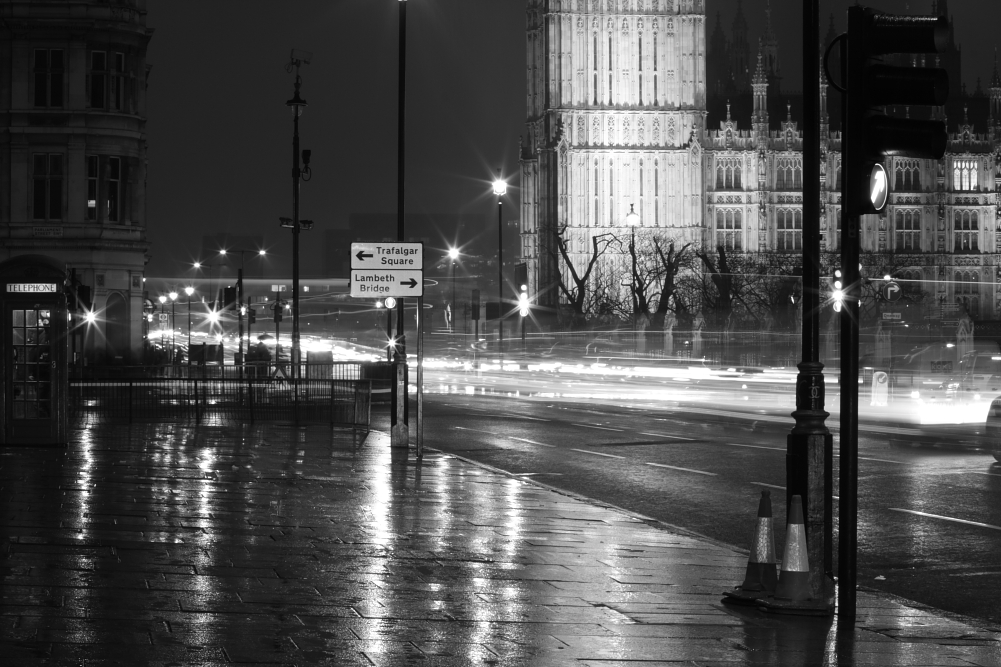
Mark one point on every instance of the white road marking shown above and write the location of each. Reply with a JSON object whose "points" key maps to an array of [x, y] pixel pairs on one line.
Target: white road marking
{"points": [[776, 449], [463, 428], [603, 428], [664, 435], [588, 451], [980, 472], [538, 419], [531, 442], [664, 465], [782, 488], [945, 518], [869, 458]]}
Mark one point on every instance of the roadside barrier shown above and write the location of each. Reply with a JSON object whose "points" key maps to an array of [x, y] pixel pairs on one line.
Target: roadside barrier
{"points": [[760, 579]]}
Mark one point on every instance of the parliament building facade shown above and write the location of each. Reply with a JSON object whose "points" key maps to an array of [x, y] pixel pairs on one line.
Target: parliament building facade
{"points": [[623, 116]]}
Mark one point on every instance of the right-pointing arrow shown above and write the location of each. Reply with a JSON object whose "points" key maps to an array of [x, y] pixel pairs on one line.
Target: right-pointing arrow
{"points": [[410, 283]]}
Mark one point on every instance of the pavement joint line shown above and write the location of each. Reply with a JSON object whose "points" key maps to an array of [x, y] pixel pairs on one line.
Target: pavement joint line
{"points": [[869, 458], [945, 518], [770, 486], [603, 428], [588, 451], [532, 442], [664, 465], [664, 435]]}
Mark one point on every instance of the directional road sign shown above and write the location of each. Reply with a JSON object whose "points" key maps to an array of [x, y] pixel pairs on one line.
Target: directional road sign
{"points": [[372, 283], [409, 256], [891, 291]]}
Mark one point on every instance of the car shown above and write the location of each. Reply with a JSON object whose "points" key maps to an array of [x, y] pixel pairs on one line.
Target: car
{"points": [[993, 429]]}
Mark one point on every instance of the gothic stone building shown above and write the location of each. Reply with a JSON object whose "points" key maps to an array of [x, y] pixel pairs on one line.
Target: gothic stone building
{"points": [[620, 109], [73, 153]]}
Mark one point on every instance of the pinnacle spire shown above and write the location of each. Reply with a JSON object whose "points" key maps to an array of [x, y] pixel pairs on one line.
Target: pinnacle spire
{"points": [[995, 79]]}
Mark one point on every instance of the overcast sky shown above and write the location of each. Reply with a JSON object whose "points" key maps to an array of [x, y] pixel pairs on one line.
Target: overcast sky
{"points": [[220, 134]]}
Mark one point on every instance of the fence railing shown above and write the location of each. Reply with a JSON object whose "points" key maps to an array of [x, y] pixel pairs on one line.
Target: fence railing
{"points": [[221, 400], [338, 370]]}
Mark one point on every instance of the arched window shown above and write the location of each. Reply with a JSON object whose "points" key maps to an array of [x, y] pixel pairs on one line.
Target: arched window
{"points": [[964, 175], [729, 232], [789, 230], [907, 228], [965, 232]]}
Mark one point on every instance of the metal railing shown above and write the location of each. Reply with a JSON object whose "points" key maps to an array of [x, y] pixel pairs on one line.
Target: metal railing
{"points": [[221, 400], [340, 370]]}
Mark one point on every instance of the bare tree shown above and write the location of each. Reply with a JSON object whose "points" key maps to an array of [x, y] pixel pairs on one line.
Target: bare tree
{"points": [[579, 290], [724, 286]]}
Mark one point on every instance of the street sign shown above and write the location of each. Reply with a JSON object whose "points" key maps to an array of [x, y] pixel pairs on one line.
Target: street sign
{"points": [[369, 283], [892, 316], [409, 256], [164, 318], [278, 288], [890, 291]]}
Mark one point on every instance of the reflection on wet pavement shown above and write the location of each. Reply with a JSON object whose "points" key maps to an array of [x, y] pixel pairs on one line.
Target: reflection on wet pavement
{"points": [[275, 545]]}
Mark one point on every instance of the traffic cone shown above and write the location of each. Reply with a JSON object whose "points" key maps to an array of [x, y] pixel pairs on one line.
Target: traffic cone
{"points": [[794, 579], [760, 577]]}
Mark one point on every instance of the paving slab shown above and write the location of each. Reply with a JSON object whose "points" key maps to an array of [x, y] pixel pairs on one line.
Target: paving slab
{"points": [[273, 545]]}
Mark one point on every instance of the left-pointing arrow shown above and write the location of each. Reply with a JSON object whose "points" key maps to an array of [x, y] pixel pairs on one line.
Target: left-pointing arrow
{"points": [[362, 255]]}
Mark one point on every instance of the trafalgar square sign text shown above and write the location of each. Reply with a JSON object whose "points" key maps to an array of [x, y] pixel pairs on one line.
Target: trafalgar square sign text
{"points": [[387, 269]]}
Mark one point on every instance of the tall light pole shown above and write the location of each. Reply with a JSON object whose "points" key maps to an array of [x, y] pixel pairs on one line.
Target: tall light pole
{"points": [[298, 104], [453, 254], [500, 189], [173, 329], [163, 308], [633, 221], [189, 290], [239, 290]]}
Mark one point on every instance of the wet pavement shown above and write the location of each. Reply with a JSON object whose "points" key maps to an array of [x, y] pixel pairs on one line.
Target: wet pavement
{"points": [[268, 545]]}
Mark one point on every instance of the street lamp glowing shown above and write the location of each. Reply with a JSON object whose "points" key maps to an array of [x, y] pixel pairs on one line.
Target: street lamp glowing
{"points": [[90, 317], [173, 296], [632, 218], [500, 187], [197, 265], [189, 290], [453, 253], [162, 298], [222, 252], [262, 252]]}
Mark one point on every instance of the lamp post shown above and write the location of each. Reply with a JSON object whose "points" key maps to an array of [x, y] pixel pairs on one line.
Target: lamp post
{"points": [[633, 221], [500, 189], [189, 290], [163, 307], [298, 58], [173, 347], [239, 290], [453, 254], [212, 295]]}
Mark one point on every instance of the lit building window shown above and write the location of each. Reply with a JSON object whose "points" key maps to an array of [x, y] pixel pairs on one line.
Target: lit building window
{"points": [[964, 175], [729, 230], [967, 291], [92, 187], [789, 230], [965, 232], [907, 231]]}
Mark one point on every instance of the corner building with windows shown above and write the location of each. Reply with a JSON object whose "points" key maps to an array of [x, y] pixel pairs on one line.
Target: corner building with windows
{"points": [[623, 113], [73, 156]]}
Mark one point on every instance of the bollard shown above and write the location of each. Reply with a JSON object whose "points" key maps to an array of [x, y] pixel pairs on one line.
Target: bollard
{"points": [[400, 432]]}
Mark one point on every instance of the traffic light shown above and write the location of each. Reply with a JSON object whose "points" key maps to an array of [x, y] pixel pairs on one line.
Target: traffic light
{"points": [[229, 298], [870, 134], [475, 306], [837, 290], [251, 316], [524, 305]]}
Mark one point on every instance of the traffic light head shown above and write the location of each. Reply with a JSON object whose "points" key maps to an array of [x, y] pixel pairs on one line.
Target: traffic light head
{"points": [[837, 290], [870, 134]]}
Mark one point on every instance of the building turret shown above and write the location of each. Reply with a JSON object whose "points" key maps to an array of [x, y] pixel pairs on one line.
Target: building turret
{"points": [[759, 118], [994, 92], [740, 58]]}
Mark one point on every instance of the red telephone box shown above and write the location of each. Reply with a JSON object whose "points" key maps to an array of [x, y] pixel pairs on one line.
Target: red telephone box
{"points": [[34, 363]]}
